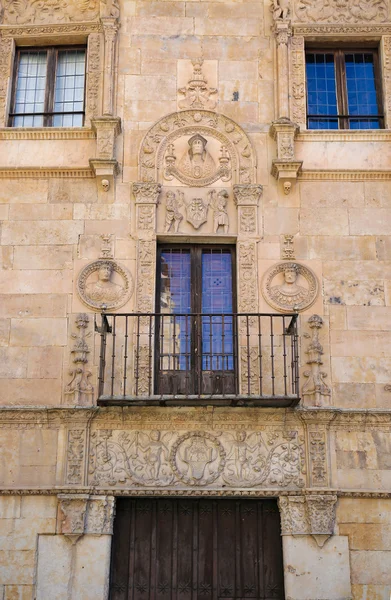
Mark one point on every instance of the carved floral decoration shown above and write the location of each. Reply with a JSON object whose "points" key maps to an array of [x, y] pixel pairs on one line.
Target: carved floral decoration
{"points": [[341, 11], [315, 390], [197, 459], [21, 12], [79, 388], [308, 515]]}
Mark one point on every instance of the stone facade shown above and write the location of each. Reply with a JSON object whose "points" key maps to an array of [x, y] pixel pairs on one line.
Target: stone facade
{"points": [[82, 210]]}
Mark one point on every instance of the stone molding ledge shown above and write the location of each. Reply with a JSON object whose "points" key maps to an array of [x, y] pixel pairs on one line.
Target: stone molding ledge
{"points": [[345, 175], [47, 133], [345, 30], [344, 136], [46, 173], [25, 31]]}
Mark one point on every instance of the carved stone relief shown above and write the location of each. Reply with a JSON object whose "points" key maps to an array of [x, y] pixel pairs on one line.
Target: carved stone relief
{"points": [[288, 247], [197, 93], [248, 280], [209, 210], [281, 9], [146, 267], [282, 287], [297, 78], [96, 288], [21, 12], [308, 515], [79, 390], [94, 75], [195, 165], [81, 514], [75, 456], [315, 390], [107, 246], [6, 47], [197, 459], [196, 148], [335, 11], [387, 77]]}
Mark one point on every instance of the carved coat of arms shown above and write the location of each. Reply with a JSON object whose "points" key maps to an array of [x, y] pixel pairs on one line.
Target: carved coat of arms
{"points": [[197, 211]]}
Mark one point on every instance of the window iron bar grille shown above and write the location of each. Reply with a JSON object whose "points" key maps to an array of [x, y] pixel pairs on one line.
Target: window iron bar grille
{"points": [[173, 359]]}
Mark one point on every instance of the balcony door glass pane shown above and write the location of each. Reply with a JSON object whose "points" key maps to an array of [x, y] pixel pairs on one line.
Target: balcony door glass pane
{"points": [[175, 302], [217, 331], [69, 89]]}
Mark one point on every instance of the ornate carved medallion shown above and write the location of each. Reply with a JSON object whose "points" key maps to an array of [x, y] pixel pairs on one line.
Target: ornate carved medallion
{"points": [[97, 289], [197, 458], [283, 289]]}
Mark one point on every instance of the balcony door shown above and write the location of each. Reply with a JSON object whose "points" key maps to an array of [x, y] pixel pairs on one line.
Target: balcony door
{"points": [[196, 337]]}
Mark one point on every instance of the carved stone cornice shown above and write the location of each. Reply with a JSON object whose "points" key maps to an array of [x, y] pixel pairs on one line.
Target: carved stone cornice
{"points": [[247, 195], [308, 515], [50, 30], [81, 514], [147, 193], [104, 168], [286, 169], [282, 31]]}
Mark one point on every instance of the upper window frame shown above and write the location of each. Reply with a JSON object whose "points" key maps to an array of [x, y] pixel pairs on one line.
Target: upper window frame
{"points": [[340, 50], [51, 74]]}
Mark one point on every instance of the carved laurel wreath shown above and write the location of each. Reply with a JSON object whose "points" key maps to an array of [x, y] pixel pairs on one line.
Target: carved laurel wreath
{"points": [[92, 268]]}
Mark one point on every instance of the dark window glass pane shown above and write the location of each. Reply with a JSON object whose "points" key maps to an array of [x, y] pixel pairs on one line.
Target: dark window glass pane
{"points": [[217, 331], [321, 88], [361, 88]]}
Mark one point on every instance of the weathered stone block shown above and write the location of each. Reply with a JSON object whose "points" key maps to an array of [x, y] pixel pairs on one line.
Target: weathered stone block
{"points": [[371, 567], [34, 305], [13, 362], [28, 233], [38, 332], [43, 257]]}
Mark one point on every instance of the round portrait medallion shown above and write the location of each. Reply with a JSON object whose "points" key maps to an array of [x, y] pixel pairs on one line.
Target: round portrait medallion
{"points": [[290, 287], [104, 285]]}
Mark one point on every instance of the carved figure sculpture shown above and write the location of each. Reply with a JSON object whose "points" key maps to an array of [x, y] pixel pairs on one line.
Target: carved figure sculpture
{"points": [[104, 289], [289, 295], [102, 292], [197, 162], [289, 292], [281, 9], [219, 205], [173, 216]]}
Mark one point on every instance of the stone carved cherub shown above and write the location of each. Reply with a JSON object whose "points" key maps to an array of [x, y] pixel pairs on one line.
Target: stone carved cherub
{"points": [[281, 9]]}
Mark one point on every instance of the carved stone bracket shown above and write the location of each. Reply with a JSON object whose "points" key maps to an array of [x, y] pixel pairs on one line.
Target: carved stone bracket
{"points": [[308, 515], [105, 164], [285, 167], [80, 514]]}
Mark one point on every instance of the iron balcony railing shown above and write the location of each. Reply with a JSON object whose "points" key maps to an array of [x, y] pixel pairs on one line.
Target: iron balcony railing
{"points": [[172, 359]]}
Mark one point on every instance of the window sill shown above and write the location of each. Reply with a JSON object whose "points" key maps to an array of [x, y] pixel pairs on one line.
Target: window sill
{"points": [[47, 133], [345, 135]]}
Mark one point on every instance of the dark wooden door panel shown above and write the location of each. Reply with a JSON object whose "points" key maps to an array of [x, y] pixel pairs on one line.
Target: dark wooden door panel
{"points": [[185, 549]]}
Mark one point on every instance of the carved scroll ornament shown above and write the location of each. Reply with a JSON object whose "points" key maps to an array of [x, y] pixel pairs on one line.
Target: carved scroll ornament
{"points": [[345, 11], [21, 12], [164, 459]]}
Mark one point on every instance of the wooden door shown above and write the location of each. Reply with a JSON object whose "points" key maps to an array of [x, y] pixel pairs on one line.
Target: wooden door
{"points": [[185, 549]]}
